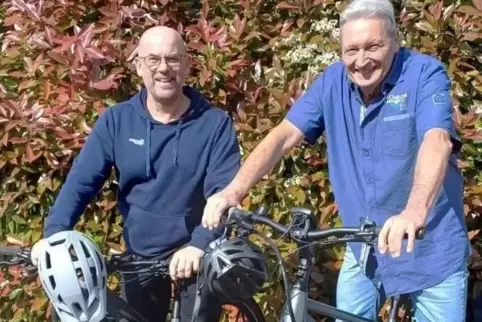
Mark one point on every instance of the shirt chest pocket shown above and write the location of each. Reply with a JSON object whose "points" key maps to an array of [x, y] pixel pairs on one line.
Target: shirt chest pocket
{"points": [[398, 135]]}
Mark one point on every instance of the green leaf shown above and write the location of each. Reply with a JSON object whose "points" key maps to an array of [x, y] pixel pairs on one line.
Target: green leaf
{"points": [[109, 101], [15, 293], [19, 220]]}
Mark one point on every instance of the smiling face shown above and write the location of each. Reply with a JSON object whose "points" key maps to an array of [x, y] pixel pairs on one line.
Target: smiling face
{"points": [[367, 52], [162, 63]]}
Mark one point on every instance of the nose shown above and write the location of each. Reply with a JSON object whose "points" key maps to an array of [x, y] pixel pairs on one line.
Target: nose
{"points": [[163, 67], [361, 59]]}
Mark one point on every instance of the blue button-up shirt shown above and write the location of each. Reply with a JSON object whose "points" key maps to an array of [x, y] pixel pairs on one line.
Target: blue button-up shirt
{"points": [[372, 151]]}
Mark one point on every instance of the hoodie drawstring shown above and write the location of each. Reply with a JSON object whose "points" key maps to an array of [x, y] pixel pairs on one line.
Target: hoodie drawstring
{"points": [[176, 140], [148, 148]]}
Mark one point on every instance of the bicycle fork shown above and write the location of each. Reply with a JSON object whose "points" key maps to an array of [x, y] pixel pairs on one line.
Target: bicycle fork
{"points": [[394, 309], [176, 311]]}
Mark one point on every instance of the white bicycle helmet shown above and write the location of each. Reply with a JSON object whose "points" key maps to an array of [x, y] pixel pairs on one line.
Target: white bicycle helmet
{"points": [[73, 274]]}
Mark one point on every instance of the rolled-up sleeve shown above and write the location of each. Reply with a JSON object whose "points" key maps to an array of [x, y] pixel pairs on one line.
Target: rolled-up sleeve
{"points": [[307, 112], [434, 103]]}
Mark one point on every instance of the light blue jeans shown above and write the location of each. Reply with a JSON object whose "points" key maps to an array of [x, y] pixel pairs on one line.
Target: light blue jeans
{"points": [[357, 294]]}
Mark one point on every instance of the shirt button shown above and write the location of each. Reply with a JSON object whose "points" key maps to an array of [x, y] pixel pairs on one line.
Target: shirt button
{"points": [[366, 152], [370, 180]]}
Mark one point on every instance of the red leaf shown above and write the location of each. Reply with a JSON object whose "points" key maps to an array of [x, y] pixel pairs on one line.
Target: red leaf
{"points": [[477, 4], [239, 25], [12, 20], [195, 29], [104, 84], [196, 45], [469, 10], [205, 10], [31, 157], [471, 36], [85, 35], [94, 53], [18, 140], [32, 12], [286, 5]]}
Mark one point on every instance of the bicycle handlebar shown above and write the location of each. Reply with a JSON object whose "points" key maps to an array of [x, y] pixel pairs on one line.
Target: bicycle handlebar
{"points": [[245, 219]]}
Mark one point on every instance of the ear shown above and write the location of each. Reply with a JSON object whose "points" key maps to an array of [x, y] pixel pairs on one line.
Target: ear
{"points": [[188, 65], [138, 64]]}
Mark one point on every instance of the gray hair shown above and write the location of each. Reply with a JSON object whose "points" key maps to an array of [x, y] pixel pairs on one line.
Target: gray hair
{"points": [[366, 9]]}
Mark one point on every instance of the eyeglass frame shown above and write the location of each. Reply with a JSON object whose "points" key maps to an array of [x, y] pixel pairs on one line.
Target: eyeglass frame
{"points": [[156, 66]]}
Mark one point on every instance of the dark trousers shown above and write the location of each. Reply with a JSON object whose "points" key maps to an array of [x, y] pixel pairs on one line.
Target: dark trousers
{"points": [[151, 297]]}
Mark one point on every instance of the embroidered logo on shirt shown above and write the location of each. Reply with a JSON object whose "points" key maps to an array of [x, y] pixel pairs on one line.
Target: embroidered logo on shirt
{"points": [[398, 102], [137, 142], [439, 98]]}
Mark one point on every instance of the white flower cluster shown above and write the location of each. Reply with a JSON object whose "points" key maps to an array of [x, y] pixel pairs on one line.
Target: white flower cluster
{"points": [[325, 59], [292, 182], [324, 25], [301, 54], [293, 40]]}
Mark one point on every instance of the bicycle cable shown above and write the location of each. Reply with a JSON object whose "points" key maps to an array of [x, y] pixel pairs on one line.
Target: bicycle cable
{"points": [[275, 248]]}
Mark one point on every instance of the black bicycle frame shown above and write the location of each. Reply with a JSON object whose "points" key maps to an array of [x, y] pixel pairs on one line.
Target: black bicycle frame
{"points": [[300, 301]]}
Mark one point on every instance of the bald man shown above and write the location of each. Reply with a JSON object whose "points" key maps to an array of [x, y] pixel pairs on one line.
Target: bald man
{"points": [[171, 150]]}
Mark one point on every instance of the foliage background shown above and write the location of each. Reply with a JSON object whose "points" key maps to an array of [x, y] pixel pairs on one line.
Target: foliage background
{"points": [[63, 62]]}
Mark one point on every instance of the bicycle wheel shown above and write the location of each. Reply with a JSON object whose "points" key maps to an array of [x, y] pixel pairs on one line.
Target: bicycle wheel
{"points": [[248, 311], [119, 311]]}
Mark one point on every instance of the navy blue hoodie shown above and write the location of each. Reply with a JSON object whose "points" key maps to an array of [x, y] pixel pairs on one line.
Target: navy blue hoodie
{"points": [[165, 173]]}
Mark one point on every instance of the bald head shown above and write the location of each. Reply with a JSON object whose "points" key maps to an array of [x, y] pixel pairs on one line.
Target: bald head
{"points": [[162, 63], [161, 40]]}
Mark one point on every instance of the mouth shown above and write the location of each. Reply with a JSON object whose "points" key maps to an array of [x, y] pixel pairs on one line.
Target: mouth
{"points": [[164, 80]]}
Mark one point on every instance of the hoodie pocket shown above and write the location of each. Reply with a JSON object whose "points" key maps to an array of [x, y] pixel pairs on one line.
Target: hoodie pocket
{"points": [[149, 232]]}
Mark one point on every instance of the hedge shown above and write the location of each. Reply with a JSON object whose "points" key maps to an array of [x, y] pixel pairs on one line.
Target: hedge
{"points": [[63, 62]]}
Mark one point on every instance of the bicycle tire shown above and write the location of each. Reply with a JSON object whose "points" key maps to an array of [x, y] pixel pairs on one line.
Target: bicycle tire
{"points": [[250, 311]]}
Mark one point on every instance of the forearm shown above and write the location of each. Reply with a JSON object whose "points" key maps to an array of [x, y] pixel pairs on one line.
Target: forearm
{"points": [[430, 169], [264, 157]]}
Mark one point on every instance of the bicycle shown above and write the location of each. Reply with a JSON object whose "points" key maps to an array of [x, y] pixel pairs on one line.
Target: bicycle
{"points": [[303, 230], [117, 308]]}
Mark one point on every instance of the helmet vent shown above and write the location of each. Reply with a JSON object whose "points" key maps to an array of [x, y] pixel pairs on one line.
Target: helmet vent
{"points": [[52, 282], [101, 262], [85, 293], [94, 276], [73, 253], [84, 248], [77, 308], [80, 274], [58, 242], [47, 261]]}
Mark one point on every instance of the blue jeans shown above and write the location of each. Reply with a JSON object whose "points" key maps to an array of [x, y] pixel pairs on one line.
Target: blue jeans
{"points": [[357, 294]]}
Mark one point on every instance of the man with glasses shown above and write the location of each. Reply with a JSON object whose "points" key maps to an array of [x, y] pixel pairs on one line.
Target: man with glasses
{"points": [[171, 150]]}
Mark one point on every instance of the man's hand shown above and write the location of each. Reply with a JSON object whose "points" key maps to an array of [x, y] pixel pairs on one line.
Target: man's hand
{"points": [[36, 250], [216, 205], [185, 262], [395, 228]]}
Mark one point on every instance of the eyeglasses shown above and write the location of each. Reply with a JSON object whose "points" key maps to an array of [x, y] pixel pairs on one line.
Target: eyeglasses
{"points": [[153, 61]]}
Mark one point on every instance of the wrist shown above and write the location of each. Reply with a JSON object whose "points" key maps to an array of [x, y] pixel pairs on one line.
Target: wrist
{"points": [[416, 214], [235, 191]]}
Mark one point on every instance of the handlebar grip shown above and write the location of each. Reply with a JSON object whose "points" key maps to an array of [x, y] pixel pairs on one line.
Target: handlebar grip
{"points": [[419, 234]]}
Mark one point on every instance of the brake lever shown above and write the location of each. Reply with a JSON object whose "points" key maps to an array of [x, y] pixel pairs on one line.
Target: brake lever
{"points": [[367, 226]]}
